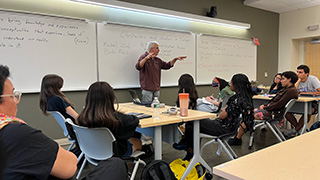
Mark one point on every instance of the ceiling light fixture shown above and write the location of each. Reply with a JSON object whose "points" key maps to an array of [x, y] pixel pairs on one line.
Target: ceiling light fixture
{"points": [[165, 13]]}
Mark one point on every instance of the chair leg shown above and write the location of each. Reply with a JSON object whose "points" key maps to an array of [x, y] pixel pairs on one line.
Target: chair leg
{"points": [[279, 132], [225, 149], [80, 156], [71, 145], [180, 131], [219, 150], [256, 125], [230, 149], [81, 169], [205, 144], [251, 139], [135, 169], [273, 131]]}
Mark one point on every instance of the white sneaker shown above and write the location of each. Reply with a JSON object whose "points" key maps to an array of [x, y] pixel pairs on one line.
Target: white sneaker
{"points": [[289, 132], [146, 140]]}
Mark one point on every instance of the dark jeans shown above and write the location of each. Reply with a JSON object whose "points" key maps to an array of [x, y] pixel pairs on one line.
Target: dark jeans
{"points": [[207, 126]]}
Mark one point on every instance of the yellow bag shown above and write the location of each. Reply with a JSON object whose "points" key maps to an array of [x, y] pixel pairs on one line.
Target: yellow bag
{"points": [[178, 166]]}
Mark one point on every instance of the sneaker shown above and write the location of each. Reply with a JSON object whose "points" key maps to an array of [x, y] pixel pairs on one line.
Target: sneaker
{"points": [[188, 157], [180, 146], [146, 140], [235, 141], [289, 132]]}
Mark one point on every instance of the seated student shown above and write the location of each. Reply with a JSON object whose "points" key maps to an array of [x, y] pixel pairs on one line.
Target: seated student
{"points": [[240, 103], [52, 99], [99, 111], [276, 85], [186, 84], [306, 84], [29, 153], [275, 105], [211, 104]]}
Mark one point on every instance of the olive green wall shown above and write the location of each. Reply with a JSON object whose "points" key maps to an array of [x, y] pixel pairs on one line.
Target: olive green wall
{"points": [[264, 25]]}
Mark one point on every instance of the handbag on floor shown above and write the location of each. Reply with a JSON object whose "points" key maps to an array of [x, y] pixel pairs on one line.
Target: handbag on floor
{"points": [[178, 166]]}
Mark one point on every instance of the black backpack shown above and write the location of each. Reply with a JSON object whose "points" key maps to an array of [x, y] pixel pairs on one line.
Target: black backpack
{"points": [[157, 170]]}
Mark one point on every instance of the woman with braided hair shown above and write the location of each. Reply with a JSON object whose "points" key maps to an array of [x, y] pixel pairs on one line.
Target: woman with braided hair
{"points": [[240, 103]]}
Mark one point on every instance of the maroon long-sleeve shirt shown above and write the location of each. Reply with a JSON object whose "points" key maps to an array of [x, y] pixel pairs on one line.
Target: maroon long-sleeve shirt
{"points": [[150, 73]]}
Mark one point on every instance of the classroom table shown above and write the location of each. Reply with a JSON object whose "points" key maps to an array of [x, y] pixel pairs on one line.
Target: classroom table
{"points": [[264, 88], [296, 158], [302, 105], [166, 119]]}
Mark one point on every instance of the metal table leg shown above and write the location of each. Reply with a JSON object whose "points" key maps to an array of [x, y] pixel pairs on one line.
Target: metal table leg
{"points": [[196, 151]]}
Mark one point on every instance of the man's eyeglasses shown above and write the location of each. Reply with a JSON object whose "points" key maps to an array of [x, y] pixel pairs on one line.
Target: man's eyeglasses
{"points": [[16, 96]]}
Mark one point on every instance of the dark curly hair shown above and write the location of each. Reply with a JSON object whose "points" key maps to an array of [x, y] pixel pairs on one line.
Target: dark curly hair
{"points": [[291, 75], [244, 93]]}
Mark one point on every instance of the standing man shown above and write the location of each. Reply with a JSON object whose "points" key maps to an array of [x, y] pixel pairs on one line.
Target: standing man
{"points": [[149, 66], [306, 84]]}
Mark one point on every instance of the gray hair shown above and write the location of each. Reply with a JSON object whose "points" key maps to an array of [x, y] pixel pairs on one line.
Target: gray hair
{"points": [[151, 45]]}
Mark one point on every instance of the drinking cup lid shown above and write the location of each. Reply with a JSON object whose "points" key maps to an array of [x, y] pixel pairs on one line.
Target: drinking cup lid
{"points": [[184, 95]]}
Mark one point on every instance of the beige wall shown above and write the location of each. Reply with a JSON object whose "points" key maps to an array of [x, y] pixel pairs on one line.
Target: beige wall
{"points": [[292, 34], [264, 25]]}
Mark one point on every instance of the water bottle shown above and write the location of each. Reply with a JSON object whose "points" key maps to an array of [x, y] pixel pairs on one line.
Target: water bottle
{"points": [[156, 108]]}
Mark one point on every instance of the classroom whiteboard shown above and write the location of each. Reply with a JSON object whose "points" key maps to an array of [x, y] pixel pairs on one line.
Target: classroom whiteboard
{"points": [[33, 46], [119, 48], [223, 57]]}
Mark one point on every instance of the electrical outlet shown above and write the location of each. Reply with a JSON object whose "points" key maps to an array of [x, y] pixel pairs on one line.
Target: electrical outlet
{"points": [[265, 74]]}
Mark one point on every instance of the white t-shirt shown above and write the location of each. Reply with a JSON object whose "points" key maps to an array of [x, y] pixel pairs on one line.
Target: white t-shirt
{"points": [[311, 84]]}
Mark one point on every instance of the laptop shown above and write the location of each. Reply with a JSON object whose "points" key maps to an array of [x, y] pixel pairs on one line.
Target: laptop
{"points": [[134, 96], [136, 99]]}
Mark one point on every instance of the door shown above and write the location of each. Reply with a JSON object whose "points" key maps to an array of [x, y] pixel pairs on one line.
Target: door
{"points": [[312, 58]]}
